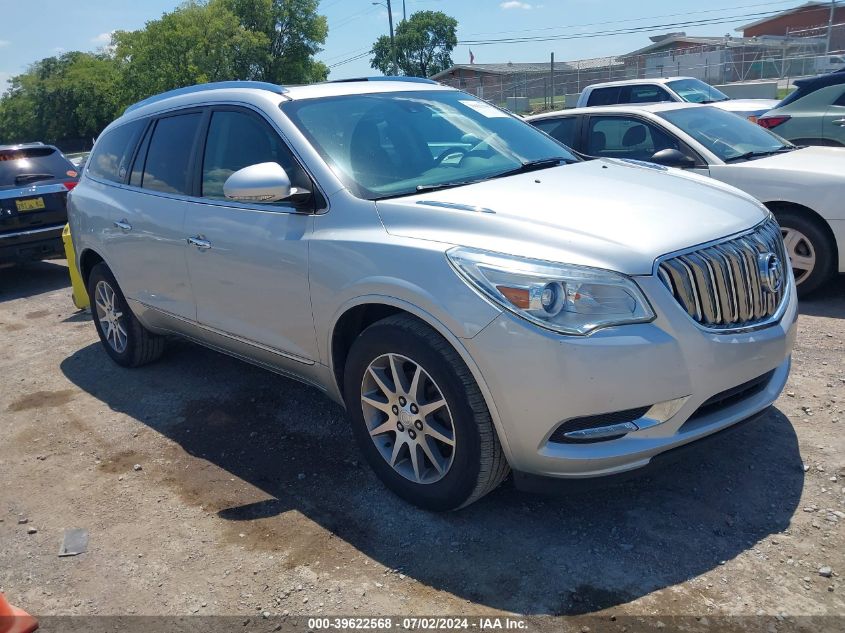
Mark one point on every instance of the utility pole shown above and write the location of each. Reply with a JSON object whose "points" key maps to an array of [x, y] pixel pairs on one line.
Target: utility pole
{"points": [[392, 39], [552, 79], [404, 13], [830, 25]]}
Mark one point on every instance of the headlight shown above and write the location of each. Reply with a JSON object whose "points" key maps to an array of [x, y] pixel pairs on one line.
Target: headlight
{"points": [[561, 297]]}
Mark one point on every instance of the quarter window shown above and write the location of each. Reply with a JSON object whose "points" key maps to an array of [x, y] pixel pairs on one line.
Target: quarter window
{"points": [[169, 154], [562, 130], [114, 151], [237, 140]]}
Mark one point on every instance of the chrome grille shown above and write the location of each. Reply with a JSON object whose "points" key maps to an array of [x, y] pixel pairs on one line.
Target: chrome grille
{"points": [[720, 286]]}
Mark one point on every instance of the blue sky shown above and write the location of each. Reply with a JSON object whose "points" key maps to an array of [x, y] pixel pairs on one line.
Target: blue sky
{"points": [[32, 29]]}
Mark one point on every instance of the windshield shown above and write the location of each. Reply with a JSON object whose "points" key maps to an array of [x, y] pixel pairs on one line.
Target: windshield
{"points": [[393, 144], [696, 91], [725, 134]]}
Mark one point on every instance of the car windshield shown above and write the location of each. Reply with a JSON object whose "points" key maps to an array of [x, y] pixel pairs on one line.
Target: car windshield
{"points": [[399, 143], [727, 135], [696, 91]]}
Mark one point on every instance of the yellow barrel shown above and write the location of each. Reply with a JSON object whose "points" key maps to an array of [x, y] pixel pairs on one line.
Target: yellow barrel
{"points": [[80, 294]]}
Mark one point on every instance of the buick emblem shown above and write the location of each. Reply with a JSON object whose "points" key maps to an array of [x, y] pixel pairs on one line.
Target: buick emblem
{"points": [[771, 272]]}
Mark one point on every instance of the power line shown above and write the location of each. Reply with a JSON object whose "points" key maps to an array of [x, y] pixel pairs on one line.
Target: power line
{"points": [[350, 59], [653, 17], [626, 31]]}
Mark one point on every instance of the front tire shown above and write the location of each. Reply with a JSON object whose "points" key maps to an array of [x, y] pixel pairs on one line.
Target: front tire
{"points": [[419, 417], [809, 248], [128, 342]]}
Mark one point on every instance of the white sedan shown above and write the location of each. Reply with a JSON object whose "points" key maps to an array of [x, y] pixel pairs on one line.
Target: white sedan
{"points": [[803, 187]]}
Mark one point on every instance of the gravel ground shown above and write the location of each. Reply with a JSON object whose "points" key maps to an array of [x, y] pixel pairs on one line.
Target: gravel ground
{"points": [[209, 486]]}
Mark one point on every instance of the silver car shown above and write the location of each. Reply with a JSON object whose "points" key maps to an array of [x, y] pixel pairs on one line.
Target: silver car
{"points": [[478, 298]]}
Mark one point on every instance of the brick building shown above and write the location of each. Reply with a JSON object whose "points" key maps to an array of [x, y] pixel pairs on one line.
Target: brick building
{"points": [[811, 18]]}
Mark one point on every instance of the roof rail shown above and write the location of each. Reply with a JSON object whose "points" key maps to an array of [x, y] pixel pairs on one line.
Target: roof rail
{"points": [[413, 80], [216, 85]]}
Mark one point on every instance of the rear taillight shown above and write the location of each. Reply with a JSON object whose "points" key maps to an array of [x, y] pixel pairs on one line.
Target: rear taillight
{"points": [[70, 184], [770, 122]]}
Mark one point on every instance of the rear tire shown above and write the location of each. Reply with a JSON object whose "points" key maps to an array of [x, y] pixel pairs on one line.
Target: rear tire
{"points": [[458, 455], [810, 250], [128, 342]]}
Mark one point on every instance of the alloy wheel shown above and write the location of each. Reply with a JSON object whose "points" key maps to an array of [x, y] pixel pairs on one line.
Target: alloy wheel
{"points": [[110, 317], [408, 418], [801, 253]]}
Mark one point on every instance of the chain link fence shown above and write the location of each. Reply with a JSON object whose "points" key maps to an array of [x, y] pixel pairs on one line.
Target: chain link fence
{"points": [[718, 61]]}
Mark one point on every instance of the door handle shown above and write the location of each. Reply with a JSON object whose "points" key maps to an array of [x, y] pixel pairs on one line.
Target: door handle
{"points": [[123, 225], [200, 242], [839, 122]]}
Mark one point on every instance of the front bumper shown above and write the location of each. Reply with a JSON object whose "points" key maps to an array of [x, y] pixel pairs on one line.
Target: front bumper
{"points": [[538, 379]]}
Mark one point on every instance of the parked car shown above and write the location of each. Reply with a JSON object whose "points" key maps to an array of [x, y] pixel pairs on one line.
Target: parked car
{"points": [[803, 187], [830, 64], [78, 159], [814, 114], [34, 183], [476, 296], [675, 89]]}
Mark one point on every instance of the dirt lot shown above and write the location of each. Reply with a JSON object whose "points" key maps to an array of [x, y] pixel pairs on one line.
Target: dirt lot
{"points": [[249, 496]]}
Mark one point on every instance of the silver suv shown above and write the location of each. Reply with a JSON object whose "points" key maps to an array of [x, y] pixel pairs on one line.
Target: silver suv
{"points": [[477, 298]]}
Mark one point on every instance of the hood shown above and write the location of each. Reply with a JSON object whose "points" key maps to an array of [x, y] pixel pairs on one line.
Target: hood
{"points": [[604, 213], [812, 176], [747, 106], [804, 163]]}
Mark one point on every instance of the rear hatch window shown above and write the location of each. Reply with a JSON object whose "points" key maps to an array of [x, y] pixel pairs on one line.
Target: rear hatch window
{"points": [[29, 166]]}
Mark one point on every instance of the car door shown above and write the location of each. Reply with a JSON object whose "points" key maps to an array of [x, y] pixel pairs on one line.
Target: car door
{"points": [[633, 138], [147, 242], [834, 119], [248, 263]]}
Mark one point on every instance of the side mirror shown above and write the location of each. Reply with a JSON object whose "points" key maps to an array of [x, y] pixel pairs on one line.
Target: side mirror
{"points": [[264, 182], [673, 158]]}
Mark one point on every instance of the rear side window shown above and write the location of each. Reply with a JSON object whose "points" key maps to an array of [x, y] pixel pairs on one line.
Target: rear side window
{"points": [[562, 130], [27, 166], [841, 100], [604, 96], [169, 154], [237, 140], [111, 157]]}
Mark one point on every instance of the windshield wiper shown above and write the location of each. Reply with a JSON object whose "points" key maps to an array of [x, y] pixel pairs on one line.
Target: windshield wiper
{"points": [[759, 154], [22, 178], [534, 165], [444, 185]]}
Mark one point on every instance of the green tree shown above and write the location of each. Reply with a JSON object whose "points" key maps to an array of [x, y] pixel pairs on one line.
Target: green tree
{"points": [[424, 43], [197, 43], [73, 96], [296, 33]]}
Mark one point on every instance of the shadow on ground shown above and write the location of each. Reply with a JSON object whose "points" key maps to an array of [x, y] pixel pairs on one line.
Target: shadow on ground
{"points": [[28, 280], [538, 555], [828, 301]]}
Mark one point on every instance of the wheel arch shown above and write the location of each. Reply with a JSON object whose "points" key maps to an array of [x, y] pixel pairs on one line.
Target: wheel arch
{"points": [[782, 205], [357, 315], [87, 260]]}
